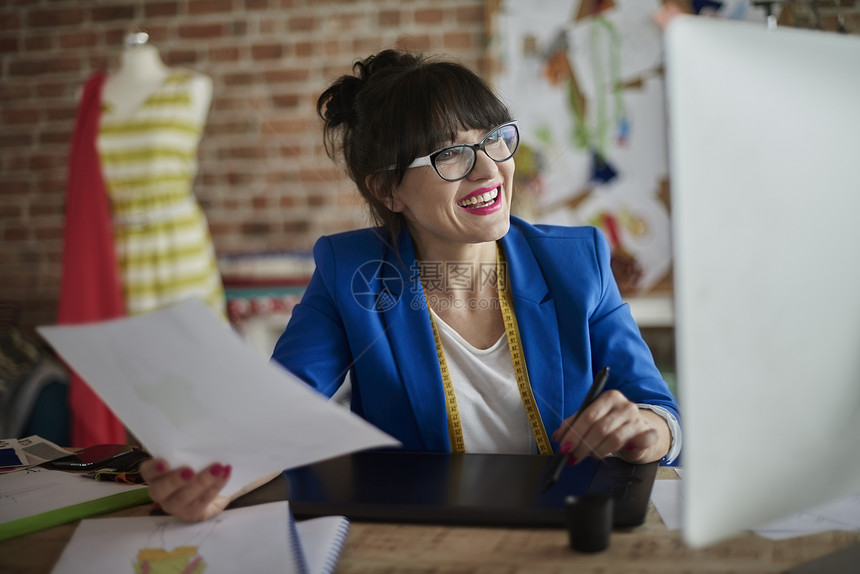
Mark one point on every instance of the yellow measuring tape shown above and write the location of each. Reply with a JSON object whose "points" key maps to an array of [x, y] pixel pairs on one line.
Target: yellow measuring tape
{"points": [[512, 332]]}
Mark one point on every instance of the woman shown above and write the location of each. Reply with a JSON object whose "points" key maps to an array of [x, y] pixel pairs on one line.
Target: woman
{"points": [[461, 327]]}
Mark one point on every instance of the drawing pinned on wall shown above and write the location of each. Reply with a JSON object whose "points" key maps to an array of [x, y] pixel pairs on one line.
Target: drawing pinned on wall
{"points": [[585, 80]]}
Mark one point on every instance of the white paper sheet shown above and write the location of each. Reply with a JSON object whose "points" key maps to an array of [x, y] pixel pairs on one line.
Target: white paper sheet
{"points": [[195, 393], [247, 540]]}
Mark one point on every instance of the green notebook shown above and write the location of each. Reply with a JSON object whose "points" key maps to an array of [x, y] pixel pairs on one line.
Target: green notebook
{"points": [[36, 499]]}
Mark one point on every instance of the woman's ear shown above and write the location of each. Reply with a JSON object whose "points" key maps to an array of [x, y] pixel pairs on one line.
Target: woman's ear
{"points": [[376, 184]]}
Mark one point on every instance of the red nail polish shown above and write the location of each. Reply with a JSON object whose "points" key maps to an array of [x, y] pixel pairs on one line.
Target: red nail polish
{"points": [[161, 467], [186, 474], [227, 470], [565, 447], [216, 470], [571, 461], [631, 446]]}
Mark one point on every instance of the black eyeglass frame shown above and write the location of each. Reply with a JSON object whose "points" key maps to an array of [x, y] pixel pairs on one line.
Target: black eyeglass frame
{"points": [[430, 159]]}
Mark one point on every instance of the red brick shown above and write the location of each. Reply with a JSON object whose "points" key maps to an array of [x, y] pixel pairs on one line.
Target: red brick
{"points": [[45, 161], [201, 31], [267, 51], [224, 54], [21, 115], [8, 45], [15, 232], [310, 175], [456, 41], [156, 9], [258, 228], [78, 40], [10, 21], [287, 126], [302, 24], [47, 206], [415, 43], [36, 43], [240, 79], [286, 100], [15, 187], [67, 112], [209, 6], [389, 18], [111, 13], [51, 89], [243, 152], [18, 90], [286, 75], [55, 136], [180, 58], [16, 138], [305, 49], [471, 15], [429, 16], [47, 232], [10, 211], [54, 17]]}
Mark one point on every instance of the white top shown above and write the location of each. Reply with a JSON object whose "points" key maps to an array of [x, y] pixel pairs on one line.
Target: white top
{"points": [[491, 408]]}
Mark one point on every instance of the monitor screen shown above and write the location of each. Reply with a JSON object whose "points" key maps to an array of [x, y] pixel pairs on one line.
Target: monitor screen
{"points": [[764, 141]]}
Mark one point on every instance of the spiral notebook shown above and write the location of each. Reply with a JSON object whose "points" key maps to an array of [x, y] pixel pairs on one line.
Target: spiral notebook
{"points": [[263, 538]]}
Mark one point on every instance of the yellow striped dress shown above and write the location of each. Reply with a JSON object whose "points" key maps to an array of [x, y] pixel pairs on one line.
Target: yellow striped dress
{"points": [[149, 161]]}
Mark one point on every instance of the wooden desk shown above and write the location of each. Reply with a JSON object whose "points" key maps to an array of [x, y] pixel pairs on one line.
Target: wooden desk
{"points": [[373, 547]]}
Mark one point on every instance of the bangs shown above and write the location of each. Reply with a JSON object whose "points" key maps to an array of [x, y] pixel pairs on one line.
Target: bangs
{"points": [[439, 100]]}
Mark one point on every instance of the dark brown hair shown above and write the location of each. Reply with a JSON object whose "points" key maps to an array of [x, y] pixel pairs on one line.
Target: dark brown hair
{"points": [[397, 106]]}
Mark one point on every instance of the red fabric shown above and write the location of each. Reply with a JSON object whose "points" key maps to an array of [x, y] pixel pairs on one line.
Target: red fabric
{"points": [[90, 288]]}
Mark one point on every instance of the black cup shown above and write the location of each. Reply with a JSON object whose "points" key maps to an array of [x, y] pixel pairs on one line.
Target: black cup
{"points": [[589, 521]]}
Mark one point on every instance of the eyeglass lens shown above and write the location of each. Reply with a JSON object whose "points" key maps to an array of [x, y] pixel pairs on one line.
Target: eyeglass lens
{"points": [[456, 162]]}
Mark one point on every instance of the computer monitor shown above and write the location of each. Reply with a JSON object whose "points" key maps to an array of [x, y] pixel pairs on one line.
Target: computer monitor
{"points": [[765, 170]]}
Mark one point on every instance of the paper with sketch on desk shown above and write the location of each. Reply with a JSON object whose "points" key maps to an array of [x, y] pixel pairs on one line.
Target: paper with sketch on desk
{"points": [[195, 393]]}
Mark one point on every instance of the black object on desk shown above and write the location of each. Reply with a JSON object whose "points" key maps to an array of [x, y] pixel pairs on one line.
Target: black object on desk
{"points": [[468, 489]]}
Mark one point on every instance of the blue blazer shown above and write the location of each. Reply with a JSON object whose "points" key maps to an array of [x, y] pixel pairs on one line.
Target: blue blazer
{"points": [[364, 313]]}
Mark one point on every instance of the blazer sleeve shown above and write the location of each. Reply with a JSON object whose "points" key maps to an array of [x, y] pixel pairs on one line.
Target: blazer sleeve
{"points": [[617, 341], [314, 344]]}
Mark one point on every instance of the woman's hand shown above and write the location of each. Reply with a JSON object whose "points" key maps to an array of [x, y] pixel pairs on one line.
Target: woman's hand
{"points": [[182, 493], [612, 424]]}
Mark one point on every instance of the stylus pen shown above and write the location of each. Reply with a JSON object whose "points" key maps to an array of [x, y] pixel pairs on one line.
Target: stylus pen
{"points": [[560, 460]]}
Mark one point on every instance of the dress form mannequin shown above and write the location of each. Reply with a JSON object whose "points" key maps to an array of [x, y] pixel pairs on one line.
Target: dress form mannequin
{"points": [[152, 120], [141, 72]]}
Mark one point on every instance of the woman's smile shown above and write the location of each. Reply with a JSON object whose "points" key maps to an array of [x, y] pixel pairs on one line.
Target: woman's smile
{"points": [[483, 201]]}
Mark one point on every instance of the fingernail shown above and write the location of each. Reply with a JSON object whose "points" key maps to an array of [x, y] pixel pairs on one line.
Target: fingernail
{"points": [[161, 467], [631, 446], [566, 447], [216, 470], [186, 474], [571, 461], [227, 470], [156, 506]]}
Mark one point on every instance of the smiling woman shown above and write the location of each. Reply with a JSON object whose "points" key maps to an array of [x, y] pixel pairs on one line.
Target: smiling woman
{"points": [[460, 327]]}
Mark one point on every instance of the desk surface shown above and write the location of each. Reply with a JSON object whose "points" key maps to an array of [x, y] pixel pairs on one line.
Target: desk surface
{"points": [[373, 547]]}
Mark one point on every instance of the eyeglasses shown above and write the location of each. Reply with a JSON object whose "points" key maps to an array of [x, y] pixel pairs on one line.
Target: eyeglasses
{"points": [[455, 162]]}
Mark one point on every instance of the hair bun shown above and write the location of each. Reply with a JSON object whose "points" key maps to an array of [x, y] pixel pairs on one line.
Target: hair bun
{"points": [[338, 101], [337, 105]]}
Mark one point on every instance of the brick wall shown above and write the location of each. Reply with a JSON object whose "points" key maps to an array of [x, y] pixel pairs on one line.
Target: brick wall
{"points": [[264, 180]]}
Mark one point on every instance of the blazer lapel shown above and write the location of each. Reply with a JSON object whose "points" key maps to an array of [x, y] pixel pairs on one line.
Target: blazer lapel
{"points": [[536, 317], [410, 334]]}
